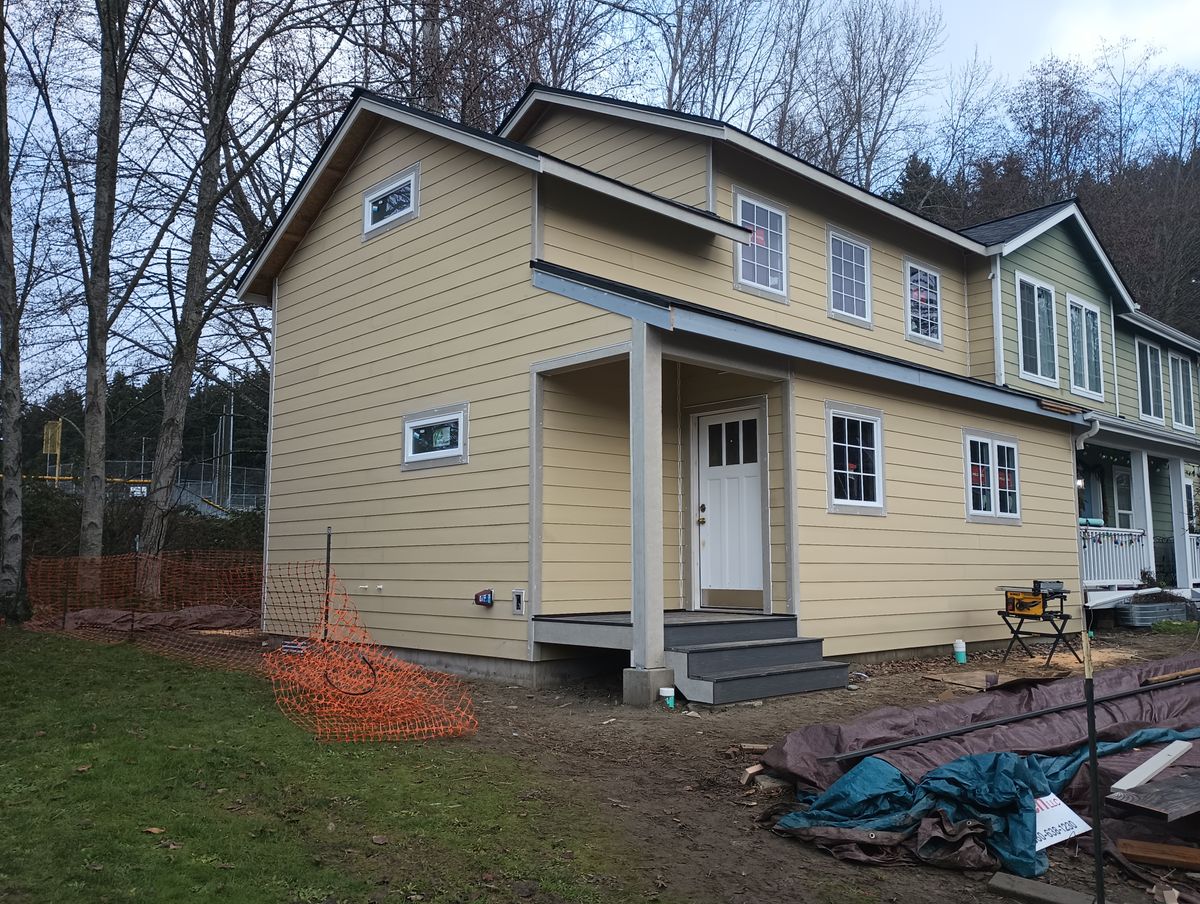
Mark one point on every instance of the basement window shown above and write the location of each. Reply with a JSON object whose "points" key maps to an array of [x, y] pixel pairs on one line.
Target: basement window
{"points": [[391, 203], [436, 437]]}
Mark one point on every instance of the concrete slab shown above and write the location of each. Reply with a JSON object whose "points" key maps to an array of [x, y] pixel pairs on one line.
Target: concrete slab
{"points": [[640, 686]]}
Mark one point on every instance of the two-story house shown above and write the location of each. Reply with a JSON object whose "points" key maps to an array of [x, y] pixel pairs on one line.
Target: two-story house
{"points": [[665, 389]]}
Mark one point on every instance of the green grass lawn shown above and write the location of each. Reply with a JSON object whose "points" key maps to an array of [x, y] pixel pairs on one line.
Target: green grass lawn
{"points": [[126, 777]]}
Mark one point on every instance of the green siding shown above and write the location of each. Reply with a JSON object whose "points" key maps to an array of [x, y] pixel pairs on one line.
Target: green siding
{"points": [[1061, 259]]}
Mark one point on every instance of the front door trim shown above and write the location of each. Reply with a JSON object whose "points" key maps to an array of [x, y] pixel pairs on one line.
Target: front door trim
{"points": [[756, 403]]}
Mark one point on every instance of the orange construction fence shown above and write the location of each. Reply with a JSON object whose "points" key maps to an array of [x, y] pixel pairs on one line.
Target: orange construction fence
{"points": [[294, 624]]}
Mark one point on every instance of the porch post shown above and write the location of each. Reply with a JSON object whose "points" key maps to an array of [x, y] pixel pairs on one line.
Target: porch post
{"points": [[1143, 515], [648, 661], [1179, 525]]}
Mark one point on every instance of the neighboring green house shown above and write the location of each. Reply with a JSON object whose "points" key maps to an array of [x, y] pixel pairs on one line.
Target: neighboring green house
{"points": [[1071, 332]]}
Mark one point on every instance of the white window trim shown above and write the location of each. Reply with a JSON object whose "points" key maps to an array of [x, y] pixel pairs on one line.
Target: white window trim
{"points": [[909, 264], [831, 232], [1086, 306], [1037, 284], [1117, 510], [413, 461], [841, 506], [410, 174], [1138, 342], [995, 516], [753, 287], [1172, 357]]}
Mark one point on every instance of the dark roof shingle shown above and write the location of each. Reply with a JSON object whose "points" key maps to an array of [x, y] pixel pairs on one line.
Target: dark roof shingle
{"points": [[995, 232]]}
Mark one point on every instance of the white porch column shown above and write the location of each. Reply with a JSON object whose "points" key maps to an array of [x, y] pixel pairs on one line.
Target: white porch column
{"points": [[1179, 524], [648, 660], [1143, 515]]}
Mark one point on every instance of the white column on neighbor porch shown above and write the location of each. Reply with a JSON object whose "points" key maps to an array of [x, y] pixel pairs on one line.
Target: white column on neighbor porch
{"points": [[646, 494], [1143, 515], [1179, 524]]}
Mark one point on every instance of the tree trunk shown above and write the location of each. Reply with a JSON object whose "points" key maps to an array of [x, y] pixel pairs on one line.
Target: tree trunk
{"points": [[111, 15], [11, 509]]}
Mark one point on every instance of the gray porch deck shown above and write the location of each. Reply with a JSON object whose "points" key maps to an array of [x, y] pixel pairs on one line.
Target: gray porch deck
{"points": [[614, 630]]}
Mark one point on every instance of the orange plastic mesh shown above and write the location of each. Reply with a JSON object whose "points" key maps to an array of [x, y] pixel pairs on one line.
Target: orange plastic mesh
{"points": [[207, 608]]}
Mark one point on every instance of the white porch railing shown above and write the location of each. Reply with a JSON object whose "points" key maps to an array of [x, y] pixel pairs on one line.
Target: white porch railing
{"points": [[1193, 545], [1111, 555]]}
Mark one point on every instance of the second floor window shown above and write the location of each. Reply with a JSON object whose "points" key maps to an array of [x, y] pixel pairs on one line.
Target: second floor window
{"points": [[924, 304], [1150, 394], [1083, 321], [1181, 393], [849, 277], [1036, 329], [763, 260]]}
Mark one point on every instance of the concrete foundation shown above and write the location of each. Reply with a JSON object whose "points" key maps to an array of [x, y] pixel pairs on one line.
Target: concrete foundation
{"points": [[535, 675], [640, 686]]}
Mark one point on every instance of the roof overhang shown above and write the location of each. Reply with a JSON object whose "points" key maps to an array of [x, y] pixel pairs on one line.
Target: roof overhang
{"points": [[676, 315], [538, 98], [366, 111], [1126, 434], [1070, 212], [1163, 331]]}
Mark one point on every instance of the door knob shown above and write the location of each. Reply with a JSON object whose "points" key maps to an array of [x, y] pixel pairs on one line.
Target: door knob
{"points": [[701, 520]]}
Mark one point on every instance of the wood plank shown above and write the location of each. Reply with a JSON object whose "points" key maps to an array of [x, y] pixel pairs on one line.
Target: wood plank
{"points": [[1156, 763], [1175, 856], [1035, 892], [1171, 798]]}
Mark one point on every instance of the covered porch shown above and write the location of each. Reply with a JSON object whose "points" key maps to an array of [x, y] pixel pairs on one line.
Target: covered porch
{"points": [[1137, 523]]}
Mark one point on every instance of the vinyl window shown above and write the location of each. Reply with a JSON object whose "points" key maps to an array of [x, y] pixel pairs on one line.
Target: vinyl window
{"points": [[393, 202], [1087, 371], [924, 304], [1036, 331], [993, 484], [1150, 390], [855, 459], [849, 277], [436, 437], [1182, 414], [762, 261]]}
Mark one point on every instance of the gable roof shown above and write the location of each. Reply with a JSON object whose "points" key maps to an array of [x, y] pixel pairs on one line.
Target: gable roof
{"points": [[538, 98], [365, 111], [1004, 229]]}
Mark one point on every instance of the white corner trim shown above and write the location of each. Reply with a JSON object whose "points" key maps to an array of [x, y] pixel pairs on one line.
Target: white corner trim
{"points": [[998, 319]]}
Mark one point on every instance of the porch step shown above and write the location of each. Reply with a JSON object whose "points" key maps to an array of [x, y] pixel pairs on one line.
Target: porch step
{"points": [[736, 628], [706, 658], [774, 681]]}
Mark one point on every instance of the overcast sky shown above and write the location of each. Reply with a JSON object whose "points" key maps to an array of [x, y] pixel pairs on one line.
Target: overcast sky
{"points": [[1016, 33]]}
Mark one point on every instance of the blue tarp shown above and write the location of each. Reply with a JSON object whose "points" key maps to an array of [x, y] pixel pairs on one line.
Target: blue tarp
{"points": [[995, 789]]}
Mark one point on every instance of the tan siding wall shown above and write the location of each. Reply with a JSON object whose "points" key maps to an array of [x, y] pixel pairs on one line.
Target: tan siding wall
{"points": [[922, 574], [411, 319], [1060, 258], [981, 347], [603, 238], [656, 160]]}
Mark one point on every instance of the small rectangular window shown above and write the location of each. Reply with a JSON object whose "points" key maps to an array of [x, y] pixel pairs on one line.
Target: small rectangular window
{"points": [[762, 260], [849, 277], [1083, 322], [1182, 413], [1150, 390], [993, 490], [924, 304], [436, 437], [1037, 331], [855, 449], [393, 202]]}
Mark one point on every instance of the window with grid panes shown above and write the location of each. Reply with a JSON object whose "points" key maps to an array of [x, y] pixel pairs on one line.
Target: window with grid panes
{"points": [[849, 277], [763, 259], [924, 304]]}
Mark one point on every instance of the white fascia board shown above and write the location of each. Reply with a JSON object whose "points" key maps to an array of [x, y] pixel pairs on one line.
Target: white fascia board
{"points": [[1163, 331], [1068, 212], [751, 145], [644, 200], [528, 160], [599, 105], [1140, 433]]}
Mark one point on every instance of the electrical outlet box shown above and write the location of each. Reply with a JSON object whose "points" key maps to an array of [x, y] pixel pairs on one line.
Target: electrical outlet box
{"points": [[518, 602]]}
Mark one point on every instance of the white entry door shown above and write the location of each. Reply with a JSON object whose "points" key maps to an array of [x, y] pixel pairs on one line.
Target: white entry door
{"points": [[729, 508]]}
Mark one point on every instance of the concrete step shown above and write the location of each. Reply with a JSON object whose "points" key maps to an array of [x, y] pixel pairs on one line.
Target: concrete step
{"points": [[704, 659], [735, 628]]}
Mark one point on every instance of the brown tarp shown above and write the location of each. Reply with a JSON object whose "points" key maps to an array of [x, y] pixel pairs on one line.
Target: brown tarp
{"points": [[193, 618], [802, 757]]}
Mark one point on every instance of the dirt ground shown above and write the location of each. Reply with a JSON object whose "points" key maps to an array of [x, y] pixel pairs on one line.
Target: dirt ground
{"points": [[669, 783]]}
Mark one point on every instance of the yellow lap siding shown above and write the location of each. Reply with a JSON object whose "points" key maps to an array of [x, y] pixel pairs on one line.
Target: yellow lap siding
{"points": [[922, 574]]}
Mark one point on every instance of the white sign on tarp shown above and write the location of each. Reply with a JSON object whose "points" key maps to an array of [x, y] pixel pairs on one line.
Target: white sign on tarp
{"points": [[1056, 821]]}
